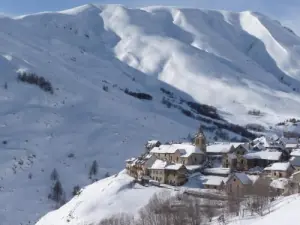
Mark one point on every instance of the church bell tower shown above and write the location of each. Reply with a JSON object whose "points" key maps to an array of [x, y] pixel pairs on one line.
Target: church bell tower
{"points": [[200, 140]]}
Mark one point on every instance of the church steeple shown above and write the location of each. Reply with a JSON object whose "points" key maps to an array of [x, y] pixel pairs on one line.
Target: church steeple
{"points": [[200, 140]]}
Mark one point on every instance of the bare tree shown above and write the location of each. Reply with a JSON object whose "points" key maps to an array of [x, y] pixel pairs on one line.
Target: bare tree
{"points": [[208, 209], [234, 204], [259, 197], [118, 219]]}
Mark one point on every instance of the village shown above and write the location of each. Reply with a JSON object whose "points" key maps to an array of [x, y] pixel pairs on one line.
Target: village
{"points": [[229, 167]]}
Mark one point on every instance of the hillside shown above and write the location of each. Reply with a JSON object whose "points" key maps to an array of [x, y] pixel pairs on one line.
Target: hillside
{"points": [[100, 200], [189, 66], [116, 194]]}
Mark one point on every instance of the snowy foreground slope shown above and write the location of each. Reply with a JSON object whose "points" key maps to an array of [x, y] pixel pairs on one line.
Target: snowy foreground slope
{"points": [[110, 196], [234, 61], [116, 194]]}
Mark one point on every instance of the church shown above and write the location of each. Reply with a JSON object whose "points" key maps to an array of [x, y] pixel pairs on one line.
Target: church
{"points": [[184, 153], [169, 163]]}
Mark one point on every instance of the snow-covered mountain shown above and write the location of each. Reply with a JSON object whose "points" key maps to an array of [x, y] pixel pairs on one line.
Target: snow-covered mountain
{"points": [[92, 55]]}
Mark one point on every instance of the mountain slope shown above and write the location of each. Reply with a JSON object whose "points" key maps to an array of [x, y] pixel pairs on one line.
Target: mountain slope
{"points": [[117, 194], [92, 54]]}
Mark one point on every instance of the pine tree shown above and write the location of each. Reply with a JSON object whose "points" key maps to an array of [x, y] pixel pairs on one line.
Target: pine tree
{"points": [[76, 190], [54, 175], [93, 169], [57, 191]]}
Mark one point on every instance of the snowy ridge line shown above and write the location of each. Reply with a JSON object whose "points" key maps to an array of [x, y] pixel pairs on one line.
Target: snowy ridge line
{"points": [[202, 56]]}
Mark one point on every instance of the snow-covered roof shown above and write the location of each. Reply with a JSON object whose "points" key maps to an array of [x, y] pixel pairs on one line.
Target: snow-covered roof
{"points": [[280, 183], [158, 165], [293, 146], [193, 167], [289, 140], [185, 149], [253, 178], [295, 161], [280, 166], [142, 160], [213, 180], [266, 155], [130, 160], [176, 166], [244, 178], [296, 152], [162, 165], [152, 142], [266, 142], [222, 171], [222, 147]]}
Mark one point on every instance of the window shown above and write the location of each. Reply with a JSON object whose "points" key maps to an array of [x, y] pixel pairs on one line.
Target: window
{"points": [[234, 179], [280, 175], [177, 158], [195, 159]]}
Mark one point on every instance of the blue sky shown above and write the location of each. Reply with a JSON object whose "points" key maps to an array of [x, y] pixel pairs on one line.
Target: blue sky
{"points": [[287, 11]]}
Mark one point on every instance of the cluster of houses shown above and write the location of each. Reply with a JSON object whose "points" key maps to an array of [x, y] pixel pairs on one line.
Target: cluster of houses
{"points": [[232, 167]]}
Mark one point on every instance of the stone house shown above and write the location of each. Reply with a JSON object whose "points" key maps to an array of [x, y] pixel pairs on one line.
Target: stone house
{"points": [[281, 186], [213, 182], [138, 167], [229, 160], [279, 170], [291, 147], [167, 173], [295, 162], [240, 183], [185, 153], [296, 177], [152, 144], [258, 159], [295, 182], [221, 148]]}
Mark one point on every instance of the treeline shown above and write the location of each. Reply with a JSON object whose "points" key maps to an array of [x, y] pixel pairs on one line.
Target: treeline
{"points": [[32, 78], [139, 95]]}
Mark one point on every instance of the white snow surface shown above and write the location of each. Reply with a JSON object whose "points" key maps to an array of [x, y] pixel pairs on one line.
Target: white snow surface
{"points": [[159, 164], [267, 155], [109, 196], [295, 152], [234, 61], [116, 194], [212, 180], [280, 183], [185, 149], [279, 166], [221, 148], [221, 171]]}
